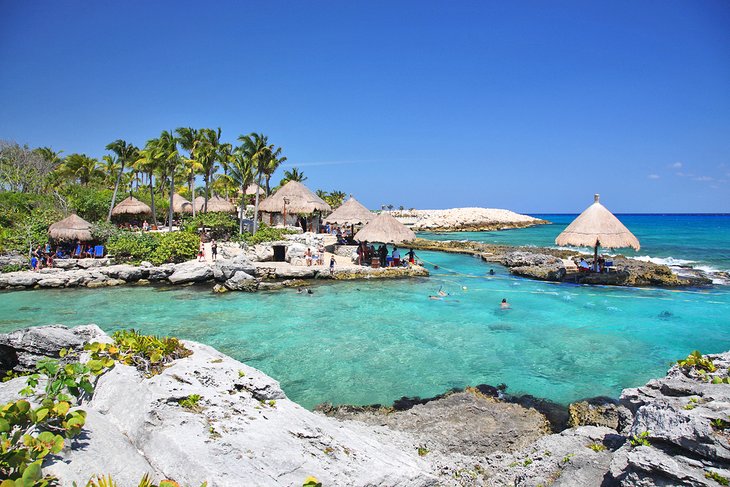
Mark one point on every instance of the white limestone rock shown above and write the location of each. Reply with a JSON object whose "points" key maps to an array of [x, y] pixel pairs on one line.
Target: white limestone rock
{"points": [[191, 271]]}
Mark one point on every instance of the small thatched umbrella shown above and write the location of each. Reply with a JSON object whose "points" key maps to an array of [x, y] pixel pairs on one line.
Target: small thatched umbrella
{"points": [[597, 227], [299, 199], [352, 212], [181, 205], [385, 229], [72, 227], [216, 203], [131, 206], [199, 202], [251, 189]]}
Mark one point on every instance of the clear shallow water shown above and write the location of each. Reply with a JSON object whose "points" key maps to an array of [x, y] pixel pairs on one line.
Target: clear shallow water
{"points": [[373, 341], [700, 240]]}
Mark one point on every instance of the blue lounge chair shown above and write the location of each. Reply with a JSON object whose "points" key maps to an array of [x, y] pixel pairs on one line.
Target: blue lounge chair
{"points": [[99, 251]]}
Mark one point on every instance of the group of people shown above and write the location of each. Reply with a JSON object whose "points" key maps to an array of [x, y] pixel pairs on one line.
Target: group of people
{"points": [[598, 266], [317, 257], [44, 256], [204, 238], [368, 254]]}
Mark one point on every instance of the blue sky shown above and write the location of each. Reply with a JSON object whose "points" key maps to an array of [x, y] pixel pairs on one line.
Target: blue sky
{"points": [[531, 106]]}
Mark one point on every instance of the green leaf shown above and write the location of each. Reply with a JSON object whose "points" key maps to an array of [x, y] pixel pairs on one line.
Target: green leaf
{"points": [[95, 365], [4, 426], [63, 353], [32, 472], [23, 406], [155, 358], [62, 408], [41, 414]]}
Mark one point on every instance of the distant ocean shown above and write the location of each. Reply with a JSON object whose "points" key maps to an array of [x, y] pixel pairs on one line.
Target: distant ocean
{"points": [[698, 240]]}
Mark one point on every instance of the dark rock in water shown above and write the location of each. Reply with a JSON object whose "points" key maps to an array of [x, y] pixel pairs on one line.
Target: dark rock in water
{"points": [[556, 414], [665, 315], [500, 327]]}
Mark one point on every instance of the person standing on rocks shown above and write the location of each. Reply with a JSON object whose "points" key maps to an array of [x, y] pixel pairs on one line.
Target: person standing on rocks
{"points": [[214, 249], [332, 265]]}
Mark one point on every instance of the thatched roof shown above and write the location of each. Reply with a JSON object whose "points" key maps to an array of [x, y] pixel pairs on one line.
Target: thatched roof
{"points": [[215, 204], [385, 229], [300, 200], [251, 189], [181, 205], [131, 206], [72, 227], [597, 226], [352, 212]]}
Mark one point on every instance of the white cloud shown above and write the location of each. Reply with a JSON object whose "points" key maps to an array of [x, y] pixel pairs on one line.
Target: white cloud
{"points": [[704, 178], [676, 165], [653, 176]]}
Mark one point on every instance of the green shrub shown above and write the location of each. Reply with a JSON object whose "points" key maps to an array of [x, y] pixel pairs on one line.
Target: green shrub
{"points": [[696, 361], [175, 247], [30, 229], [191, 402], [91, 204], [265, 234], [221, 225], [132, 246], [640, 440], [103, 231]]}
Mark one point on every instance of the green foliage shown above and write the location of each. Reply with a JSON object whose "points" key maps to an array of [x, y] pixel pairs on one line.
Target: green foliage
{"points": [[527, 462], [640, 439], [220, 225], [568, 457], [191, 402], [145, 481], [241, 373], [693, 401], [103, 231], [175, 247], [696, 361], [720, 424], [721, 380], [265, 234], [132, 246], [597, 447], [422, 451], [91, 204], [13, 268], [147, 353], [717, 478], [311, 482], [30, 229]]}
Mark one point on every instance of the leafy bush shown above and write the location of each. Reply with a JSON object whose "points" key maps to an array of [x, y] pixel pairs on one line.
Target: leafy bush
{"points": [[640, 440], [265, 234], [103, 231], [89, 203], [222, 225], [30, 229], [191, 402], [696, 361], [175, 247], [132, 246]]}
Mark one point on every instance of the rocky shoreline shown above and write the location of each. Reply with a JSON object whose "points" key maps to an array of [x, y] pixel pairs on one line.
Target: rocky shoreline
{"points": [[672, 431], [557, 265]]}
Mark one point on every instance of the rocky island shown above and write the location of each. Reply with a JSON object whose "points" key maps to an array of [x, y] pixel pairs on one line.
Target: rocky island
{"points": [[464, 220], [205, 417]]}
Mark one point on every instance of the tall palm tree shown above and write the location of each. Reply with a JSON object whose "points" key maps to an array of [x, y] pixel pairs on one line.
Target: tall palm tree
{"points": [[189, 139], [293, 175], [126, 153], [225, 154], [208, 155], [241, 172], [272, 165], [259, 151], [148, 162], [169, 158]]}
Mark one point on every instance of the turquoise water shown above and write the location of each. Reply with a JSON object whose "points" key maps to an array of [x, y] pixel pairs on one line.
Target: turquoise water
{"points": [[364, 342], [699, 240]]}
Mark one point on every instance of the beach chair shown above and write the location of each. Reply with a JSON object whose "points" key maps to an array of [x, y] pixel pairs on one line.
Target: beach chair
{"points": [[609, 266], [99, 251]]}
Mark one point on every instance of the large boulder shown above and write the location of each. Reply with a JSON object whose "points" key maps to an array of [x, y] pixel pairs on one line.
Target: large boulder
{"points": [[240, 281], [192, 271], [23, 278], [296, 250], [124, 272]]}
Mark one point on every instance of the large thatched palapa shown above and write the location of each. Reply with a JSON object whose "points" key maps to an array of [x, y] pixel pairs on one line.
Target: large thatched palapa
{"points": [[72, 227], [131, 206], [385, 229], [251, 189], [215, 204], [352, 212], [597, 227], [181, 205], [299, 199]]}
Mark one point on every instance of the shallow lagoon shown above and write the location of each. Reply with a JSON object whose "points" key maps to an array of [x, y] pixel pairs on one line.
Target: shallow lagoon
{"points": [[364, 342]]}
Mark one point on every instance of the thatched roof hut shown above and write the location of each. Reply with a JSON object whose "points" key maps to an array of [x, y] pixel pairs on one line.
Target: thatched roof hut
{"points": [[597, 227], [385, 229], [131, 206], [251, 189], [352, 212], [72, 227], [181, 205], [215, 204], [300, 199]]}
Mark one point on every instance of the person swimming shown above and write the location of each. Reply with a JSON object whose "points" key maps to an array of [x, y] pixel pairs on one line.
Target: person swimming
{"points": [[504, 304], [441, 292], [491, 272], [436, 298]]}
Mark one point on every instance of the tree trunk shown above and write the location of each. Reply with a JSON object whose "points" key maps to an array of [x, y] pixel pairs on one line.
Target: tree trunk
{"points": [[172, 192], [256, 207], [191, 183], [242, 209], [205, 203], [114, 195], [268, 186], [152, 195]]}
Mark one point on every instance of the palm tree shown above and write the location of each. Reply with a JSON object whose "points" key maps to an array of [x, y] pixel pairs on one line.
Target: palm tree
{"points": [[169, 158], [148, 162], [109, 166], [336, 198], [208, 155], [241, 172], [293, 175], [271, 166], [81, 167], [188, 139], [257, 149], [126, 153]]}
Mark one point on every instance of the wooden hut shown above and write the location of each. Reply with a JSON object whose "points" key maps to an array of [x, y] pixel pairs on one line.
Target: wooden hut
{"points": [[385, 229], [352, 212]]}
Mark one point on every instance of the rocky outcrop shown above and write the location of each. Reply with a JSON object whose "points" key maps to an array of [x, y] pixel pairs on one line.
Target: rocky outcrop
{"points": [[465, 220], [191, 271], [245, 431]]}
